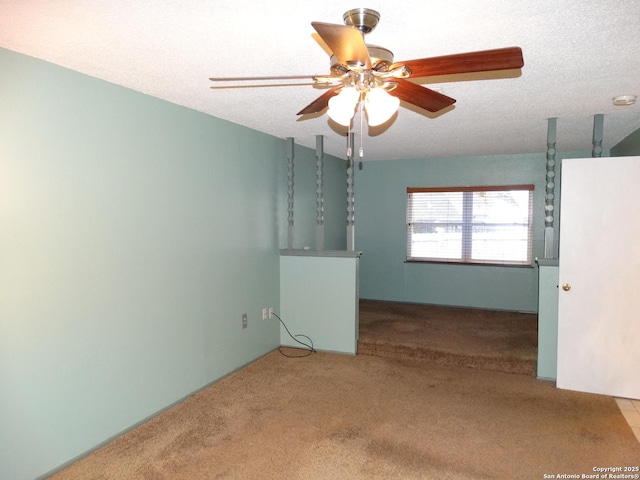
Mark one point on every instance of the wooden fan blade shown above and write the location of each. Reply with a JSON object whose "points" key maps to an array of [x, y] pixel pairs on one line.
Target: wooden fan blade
{"points": [[346, 43], [482, 61], [261, 79], [419, 96], [321, 102]]}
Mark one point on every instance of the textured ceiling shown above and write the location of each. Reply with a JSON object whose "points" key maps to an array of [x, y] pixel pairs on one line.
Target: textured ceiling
{"points": [[578, 55]]}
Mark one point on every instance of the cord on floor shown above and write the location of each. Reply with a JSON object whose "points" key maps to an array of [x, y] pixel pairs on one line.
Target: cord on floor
{"points": [[309, 346]]}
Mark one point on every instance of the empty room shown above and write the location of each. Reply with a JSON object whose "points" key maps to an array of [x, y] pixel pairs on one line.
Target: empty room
{"points": [[290, 240]]}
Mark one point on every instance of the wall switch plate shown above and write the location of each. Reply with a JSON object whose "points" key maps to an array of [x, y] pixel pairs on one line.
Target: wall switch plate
{"points": [[265, 313], [244, 320]]}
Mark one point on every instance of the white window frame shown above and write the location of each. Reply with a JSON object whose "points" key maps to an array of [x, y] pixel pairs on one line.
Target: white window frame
{"points": [[461, 227]]}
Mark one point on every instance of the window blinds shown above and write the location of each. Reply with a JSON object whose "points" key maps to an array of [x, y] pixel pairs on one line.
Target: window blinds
{"points": [[470, 224]]}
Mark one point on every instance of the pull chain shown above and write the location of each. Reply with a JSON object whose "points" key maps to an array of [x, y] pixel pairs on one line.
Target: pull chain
{"points": [[361, 150], [349, 152]]}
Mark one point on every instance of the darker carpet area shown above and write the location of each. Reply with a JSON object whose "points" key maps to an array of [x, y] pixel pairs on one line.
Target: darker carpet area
{"points": [[463, 337]]}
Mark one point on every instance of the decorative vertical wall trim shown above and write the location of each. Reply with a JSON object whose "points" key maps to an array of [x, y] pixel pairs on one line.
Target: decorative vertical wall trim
{"points": [[351, 244], [598, 128], [290, 228], [319, 193], [549, 214]]}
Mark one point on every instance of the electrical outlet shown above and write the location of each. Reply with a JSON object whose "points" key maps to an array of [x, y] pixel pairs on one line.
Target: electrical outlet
{"points": [[265, 313], [244, 320], [270, 312]]}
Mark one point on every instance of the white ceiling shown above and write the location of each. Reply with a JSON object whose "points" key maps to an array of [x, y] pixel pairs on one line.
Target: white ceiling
{"points": [[578, 55]]}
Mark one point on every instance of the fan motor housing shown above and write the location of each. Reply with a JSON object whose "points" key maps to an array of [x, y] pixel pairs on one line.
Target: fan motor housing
{"points": [[381, 60]]}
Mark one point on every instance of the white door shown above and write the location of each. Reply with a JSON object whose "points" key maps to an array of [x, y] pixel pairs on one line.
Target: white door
{"points": [[599, 283]]}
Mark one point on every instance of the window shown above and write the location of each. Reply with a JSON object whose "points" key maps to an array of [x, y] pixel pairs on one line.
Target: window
{"points": [[489, 225]]}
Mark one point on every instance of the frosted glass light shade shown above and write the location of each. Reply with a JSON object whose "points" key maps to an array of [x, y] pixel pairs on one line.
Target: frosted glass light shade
{"points": [[380, 106], [342, 106]]}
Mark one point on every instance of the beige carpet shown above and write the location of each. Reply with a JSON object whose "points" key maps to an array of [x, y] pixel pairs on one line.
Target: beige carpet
{"points": [[330, 416], [474, 338]]}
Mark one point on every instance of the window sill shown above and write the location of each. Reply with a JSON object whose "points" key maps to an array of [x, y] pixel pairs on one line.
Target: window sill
{"points": [[469, 264]]}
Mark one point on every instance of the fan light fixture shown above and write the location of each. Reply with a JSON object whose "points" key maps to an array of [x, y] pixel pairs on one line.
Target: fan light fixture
{"points": [[342, 107], [379, 105]]}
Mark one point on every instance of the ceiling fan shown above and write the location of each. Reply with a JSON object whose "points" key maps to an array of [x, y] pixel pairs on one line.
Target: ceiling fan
{"points": [[367, 75]]}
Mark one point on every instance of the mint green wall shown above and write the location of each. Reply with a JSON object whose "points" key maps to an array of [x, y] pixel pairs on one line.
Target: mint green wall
{"points": [[319, 298], [133, 235], [548, 322], [334, 197], [628, 147], [381, 233]]}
